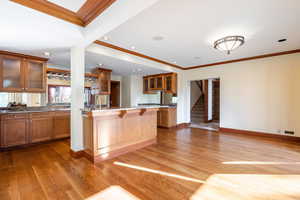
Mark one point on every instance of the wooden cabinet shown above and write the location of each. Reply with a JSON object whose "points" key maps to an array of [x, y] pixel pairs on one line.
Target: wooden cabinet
{"points": [[11, 74], [21, 74], [22, 129], [14, 130], [156, 82], [41, 127], [103, 83], [146, 88], [160, 82], [167, 117], [171, 83], [35, 79], [61, 124]]}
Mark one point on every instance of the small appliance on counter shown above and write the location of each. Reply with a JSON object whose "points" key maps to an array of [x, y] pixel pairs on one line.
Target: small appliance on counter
{"points": [[16, 106]]}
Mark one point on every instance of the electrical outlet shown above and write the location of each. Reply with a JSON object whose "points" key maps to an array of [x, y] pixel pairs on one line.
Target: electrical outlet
{"points": [[289, 132]]}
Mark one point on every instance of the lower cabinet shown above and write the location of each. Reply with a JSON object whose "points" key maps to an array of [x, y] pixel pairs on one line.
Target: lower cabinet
{"points": [[14, 130], [167, 117], [41, 127], [61, 125], [22, 129]]}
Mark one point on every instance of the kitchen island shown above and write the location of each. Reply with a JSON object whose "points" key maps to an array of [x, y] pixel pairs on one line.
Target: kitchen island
{"points": [[112, 132]]}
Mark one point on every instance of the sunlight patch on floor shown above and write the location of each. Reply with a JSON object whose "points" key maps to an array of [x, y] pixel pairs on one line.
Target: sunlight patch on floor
{"points": [[259, 163], [113, 193], [249, 187], [158, 172]]}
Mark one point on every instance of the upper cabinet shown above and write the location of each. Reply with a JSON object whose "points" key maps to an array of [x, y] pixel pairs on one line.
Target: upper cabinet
{"points": [[103, 83], [160, 82], [35, 76], [11, 73], [19, 73], [171, 83], [156, 82]]}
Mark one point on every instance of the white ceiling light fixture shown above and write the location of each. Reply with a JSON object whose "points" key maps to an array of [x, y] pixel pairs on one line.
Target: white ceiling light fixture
{"points": [[229, 43], [132, 47], [47, 54], [105, 38]]}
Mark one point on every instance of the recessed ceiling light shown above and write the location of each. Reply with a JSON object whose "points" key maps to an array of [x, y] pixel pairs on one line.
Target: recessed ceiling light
{"points": [[100, 64], [158, 38], [133, 47], [47, 54], [282, 40], [174, 62], [197, 57], [105, 38]]}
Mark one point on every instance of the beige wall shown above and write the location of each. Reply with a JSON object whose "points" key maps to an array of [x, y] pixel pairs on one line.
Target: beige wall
{"points": [[258, 95]]}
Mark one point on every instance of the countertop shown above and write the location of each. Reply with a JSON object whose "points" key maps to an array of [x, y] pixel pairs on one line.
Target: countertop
{"points": [[123, 108], [33, 110]]}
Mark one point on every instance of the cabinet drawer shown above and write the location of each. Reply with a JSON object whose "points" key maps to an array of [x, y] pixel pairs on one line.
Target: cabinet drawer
{"points": [[41, 114], [13, 116], [62, 113]]}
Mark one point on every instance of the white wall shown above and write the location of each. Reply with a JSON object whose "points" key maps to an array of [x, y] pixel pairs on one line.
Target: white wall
{"points": [[133, 92], [258, 95]]}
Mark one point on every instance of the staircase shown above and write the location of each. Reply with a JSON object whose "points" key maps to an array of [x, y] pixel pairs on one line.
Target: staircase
{"points": [[198, 111]]}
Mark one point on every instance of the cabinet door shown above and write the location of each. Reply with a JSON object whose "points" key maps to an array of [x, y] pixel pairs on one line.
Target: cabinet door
{"points": [[158, 118], [171, 83], [35, 76], [152, 84], [11, 74], [146, 85], [61, 126], [40, 129], [104, 81], [13, 132], [159, 83]]}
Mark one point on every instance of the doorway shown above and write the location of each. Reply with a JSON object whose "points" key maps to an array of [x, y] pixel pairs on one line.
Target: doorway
{"points": [[205, 104], [115, 94]]}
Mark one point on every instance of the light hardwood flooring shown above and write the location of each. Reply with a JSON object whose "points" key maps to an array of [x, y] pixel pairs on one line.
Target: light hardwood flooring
{"points": [[185, 164]]}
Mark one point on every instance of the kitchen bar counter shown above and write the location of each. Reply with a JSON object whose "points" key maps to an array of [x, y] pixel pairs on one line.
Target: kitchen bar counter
{"points": [[111, 132]]}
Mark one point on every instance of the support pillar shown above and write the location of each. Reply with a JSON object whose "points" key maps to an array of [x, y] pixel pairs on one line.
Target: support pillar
{"points": [[77, 97]]}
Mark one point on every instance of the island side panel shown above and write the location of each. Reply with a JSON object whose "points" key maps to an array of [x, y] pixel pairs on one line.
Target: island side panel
{"points": [[116, 133]]}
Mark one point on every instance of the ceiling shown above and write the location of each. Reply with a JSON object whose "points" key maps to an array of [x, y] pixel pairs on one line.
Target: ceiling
{"points": [[24, 29], [73, 5], [189, 29], [92, 60]]}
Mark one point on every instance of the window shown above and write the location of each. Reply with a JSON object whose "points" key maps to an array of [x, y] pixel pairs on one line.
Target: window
{"points": [[62, 94], [30, 99]]}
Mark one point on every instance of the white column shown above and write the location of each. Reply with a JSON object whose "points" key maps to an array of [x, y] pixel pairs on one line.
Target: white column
{"points": [[77, 97]]}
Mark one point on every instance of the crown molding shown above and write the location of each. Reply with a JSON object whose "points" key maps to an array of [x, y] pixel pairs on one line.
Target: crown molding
{"points": [[7, 53], [245, 59], [135, 53]]}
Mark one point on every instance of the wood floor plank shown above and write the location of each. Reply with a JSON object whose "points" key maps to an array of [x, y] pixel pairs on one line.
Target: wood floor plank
{"points": [[232, 166]]}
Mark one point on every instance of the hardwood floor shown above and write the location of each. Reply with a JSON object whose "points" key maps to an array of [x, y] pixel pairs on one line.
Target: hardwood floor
{"points": [[185, 164]]}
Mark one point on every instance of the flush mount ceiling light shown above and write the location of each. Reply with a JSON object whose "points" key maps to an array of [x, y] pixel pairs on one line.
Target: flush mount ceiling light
{"points": [[47, 54], [229, 43]]}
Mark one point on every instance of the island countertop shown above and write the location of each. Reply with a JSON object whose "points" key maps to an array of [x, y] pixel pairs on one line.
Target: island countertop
{"points": [[86, 110]]}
